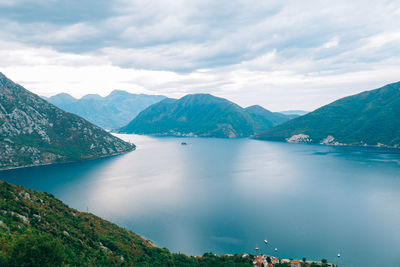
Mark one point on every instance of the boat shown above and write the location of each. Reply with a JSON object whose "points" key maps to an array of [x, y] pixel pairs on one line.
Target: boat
{"points": [[266, 241], [256, 248], [183, 143], [338, 255], [276, 249]]}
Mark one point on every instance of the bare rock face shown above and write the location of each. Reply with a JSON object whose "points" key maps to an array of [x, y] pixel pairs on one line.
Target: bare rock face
{"points": [[299, 138], [35, 132]]}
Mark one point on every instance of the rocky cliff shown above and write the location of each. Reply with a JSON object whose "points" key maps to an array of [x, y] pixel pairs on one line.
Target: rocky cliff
{"points": [[35, 132]]}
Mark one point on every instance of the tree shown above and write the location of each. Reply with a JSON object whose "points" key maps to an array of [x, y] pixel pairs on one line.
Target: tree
{"points": [[33, 249], [304, 261]]}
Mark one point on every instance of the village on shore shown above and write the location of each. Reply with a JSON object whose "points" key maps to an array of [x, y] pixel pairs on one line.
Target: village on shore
{"points": [[263, 260], [271, 261]]}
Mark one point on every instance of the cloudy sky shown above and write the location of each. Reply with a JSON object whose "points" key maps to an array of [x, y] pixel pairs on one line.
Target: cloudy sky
{"points": [[280, 54]]}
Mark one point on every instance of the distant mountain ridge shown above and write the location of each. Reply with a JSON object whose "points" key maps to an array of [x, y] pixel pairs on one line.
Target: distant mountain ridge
{"points": [[110, 112], [202, 115], [371, 118], [35, 132], [265, 119]]}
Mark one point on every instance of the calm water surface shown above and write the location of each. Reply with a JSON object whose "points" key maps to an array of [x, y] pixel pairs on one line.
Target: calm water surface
{"points": [[227, 196]]}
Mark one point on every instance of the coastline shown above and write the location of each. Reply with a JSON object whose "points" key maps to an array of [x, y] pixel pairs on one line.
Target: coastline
{"points": [[65, 162]]}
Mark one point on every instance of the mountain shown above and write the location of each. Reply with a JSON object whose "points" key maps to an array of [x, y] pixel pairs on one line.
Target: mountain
{"points": [[370, 118], [265, 119], [37, 229], [110, 112], [202, 115], [193, 115], [294, 112], [35, 132]]}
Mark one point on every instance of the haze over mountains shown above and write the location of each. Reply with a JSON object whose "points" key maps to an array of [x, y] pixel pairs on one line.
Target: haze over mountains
{"points": [[294, 112], [370, 118], [110, 112], [35, 132], [202, 115]]}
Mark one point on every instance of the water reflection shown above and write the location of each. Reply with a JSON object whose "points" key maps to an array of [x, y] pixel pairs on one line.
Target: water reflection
{"points": [[227, 196]]}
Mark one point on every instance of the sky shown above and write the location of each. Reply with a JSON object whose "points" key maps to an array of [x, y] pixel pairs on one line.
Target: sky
{"points": [[283, 55]]}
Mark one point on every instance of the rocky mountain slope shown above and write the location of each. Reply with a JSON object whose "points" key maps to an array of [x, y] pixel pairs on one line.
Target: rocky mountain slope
{"points": [[202, 115], [35, 132], [371, 118], [110, 112], [36, 229]]}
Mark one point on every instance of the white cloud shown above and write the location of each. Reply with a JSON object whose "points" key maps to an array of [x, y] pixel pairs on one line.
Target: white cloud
{"points": [[382, 39], [71, 33], [17, 2], [283, 55], [278, 85], [19, 55], [331, 43]]}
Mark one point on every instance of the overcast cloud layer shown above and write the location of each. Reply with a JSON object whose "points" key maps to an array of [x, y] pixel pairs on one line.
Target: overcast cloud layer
{"points": [[280, 54]]}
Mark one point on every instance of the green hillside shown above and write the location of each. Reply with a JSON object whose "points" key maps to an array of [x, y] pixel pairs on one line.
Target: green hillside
{"points": [[36, 229], [35, 132], [265, 119], [202, 115], [369, 118], [193, 115]]}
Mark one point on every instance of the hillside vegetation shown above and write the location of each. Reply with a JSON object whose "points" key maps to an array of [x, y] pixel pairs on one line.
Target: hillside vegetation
{"points": [[202, 115], [36, 229], [370, 118], [35, 132], [264, 119]]}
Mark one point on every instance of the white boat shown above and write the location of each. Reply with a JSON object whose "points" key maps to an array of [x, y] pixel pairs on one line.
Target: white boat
{"points": [[338, 255], [276, 249], [256, 248], [266, 241]]}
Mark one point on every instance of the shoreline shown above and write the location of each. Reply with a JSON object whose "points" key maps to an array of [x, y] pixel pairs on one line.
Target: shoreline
{"points": [[64, 162]]}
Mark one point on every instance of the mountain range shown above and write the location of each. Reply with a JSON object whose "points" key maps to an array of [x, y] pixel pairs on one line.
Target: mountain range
{"points": [[264, 119], [35, 132], [371, 118], [202, 115], [110, 112]]}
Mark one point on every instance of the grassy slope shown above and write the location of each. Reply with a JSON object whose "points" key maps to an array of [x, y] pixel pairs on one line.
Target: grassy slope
{"points": [[38, 229]]}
